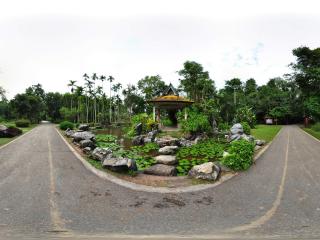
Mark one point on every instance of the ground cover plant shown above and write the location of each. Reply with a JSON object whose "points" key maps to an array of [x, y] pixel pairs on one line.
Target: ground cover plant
{"points": [[240, 155], [208, 150], [65, 125], [314, 130]]}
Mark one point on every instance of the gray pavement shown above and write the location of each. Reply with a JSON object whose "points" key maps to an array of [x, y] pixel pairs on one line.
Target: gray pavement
{"points": [[45, 191]]}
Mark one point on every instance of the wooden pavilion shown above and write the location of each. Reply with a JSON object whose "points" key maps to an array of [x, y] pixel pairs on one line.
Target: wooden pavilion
{"points": [[171, 102]]}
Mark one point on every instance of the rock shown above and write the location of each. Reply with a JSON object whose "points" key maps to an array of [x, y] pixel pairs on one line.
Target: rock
{"points": [[86, 150], [166, 159], [69, 132], [150, 136], [205, 171], [200, 138], [222, 167], [166, 141], [168, 150], [84, 127], [235, 137], [87, 143], [138, 140], [138, 129], [248, 138], [161, 170], [100, 153], [257, 147], [78, 136], [185, 143], [9, 132], [236, 129], [260, 142], [119, 164]]}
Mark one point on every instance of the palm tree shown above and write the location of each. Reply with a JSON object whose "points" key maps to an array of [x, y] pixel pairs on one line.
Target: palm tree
{"points": [[72, 85], [94, 78], [79, 93], [110, 79], [102, 79], [116, 88], [88, 85]]}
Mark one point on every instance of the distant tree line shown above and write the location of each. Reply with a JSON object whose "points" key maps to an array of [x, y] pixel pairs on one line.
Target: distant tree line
{"points": [[101, 100]]}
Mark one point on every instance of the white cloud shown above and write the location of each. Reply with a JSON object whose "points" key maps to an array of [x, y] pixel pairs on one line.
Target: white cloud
{"points": [[51, 42]]}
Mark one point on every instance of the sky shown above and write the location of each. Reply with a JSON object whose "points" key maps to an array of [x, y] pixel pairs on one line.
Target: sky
{"points": [[52, 42]]}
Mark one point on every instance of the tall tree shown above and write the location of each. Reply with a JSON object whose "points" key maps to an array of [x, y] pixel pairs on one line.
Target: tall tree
{"points": [[110, 80], [72, 85]]}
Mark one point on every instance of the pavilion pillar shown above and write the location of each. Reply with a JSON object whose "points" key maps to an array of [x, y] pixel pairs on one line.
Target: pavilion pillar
{"points": [[158, 115], [154, 113], [185, 114]]}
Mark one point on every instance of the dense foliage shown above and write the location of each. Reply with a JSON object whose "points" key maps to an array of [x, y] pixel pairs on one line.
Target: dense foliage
{"points": [[147, 122], [197, 122], [240, 155], [22, 123], [65, 125]]}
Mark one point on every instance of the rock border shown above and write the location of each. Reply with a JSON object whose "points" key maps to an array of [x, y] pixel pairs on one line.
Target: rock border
{"points": [[145, 188], [17, 138]]}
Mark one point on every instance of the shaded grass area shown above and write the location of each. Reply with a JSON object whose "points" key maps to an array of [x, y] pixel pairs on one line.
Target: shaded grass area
{"points": [[265, 132], [4, 141], [314, 133]]}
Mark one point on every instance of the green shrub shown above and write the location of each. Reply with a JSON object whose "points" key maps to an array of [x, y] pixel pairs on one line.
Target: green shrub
{"points": [[246, 128], [316, 127], [22, 123], [147, 121], [65, 125], [240, 155], [167, 122], [196, 123], [245, 114]]}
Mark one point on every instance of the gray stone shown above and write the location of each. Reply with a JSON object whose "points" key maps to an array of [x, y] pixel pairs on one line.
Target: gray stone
{"points": [[84, 127], [235, 137], [138, 140], [69, 132], [119, 164], [205, 171], [100, 153], [222, 167], [78, 136], [161, 170], [166, 159], [200, 138], [257, 147], [248, 138], [168, 150], [86, 150], [9, 132], [260, 142], [166, 141], [185, 143], [87, 143], [236, 129]]}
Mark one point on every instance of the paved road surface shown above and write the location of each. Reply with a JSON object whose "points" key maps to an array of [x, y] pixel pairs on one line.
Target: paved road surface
{"points": [[46, 191]]}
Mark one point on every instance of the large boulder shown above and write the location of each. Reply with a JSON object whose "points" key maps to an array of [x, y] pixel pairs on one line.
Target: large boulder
{"points": [[138, 140], [161, 170], [69, 132], [119, 164], [236, 129], [168, 150], [182, 142], [166, 159], [87, 143], [79, 136], [166, 141], [86, 150], [100, 153], [9, 132], [205, 171], [84, 127]]}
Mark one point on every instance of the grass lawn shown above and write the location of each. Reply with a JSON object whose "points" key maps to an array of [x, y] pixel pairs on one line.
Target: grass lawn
{"points": [[265, 132], [4, 141], [312, 132]]}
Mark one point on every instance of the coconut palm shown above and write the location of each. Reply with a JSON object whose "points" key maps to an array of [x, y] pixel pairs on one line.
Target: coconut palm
{"points": [[72, 85], [94, 78], [110, 79]]}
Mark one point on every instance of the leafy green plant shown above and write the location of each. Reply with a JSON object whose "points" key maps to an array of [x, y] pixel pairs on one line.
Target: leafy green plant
{"points": [[65, 125], [146, 148], [197, 122], [223, 126], [147, 122], [22, 123], [240, 155], [105, 138], [246, 128], [167, 122], [245, 114]]}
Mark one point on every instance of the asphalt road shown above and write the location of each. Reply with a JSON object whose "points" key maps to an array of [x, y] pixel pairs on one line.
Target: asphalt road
{"points": [[46, 191]]}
